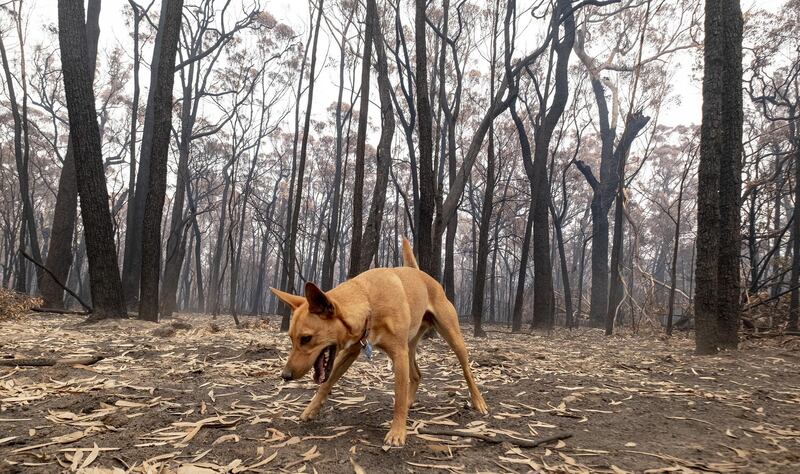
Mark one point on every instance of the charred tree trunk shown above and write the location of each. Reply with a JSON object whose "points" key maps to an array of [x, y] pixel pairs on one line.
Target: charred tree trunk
{"points": [[106, 288], [130, 222], [519, 297], [292, 230], [616, 285], [673, 271], [21, 155], [717, 298], [329, 255], [479, 275], [427, 179], [361, 143], [369, 246], [565, 275], [794, 304], [59, 251], [164, 53]]}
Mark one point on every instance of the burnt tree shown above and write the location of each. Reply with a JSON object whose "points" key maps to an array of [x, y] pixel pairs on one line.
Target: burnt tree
{"points": [[717, 294], [106, 287]]}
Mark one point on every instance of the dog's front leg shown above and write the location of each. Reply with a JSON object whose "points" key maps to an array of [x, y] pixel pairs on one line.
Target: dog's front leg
{"points": [[397, 433], [340, 366]]}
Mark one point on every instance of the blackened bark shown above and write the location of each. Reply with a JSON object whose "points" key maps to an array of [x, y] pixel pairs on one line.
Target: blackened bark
{"points": [[479, 275], [21, 155], [636, 122], [543, 294], [59, 250], [106, 288], [519, 297], [164, 55], [794, 305], [717, 298], [329, 255], [138, 15], [361, 143], [615, 284], [289, 264], [132, 258], [215, 280], [536, 167], [565, 275], [427, 179], [369, 242], [673, 271]]}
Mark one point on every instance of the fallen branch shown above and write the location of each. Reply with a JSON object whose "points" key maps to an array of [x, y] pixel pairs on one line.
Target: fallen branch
{"points": [[762, 335], [507, 332], [89, 360], [497, 439], [58, 282], [40, 309], [773, 298]]}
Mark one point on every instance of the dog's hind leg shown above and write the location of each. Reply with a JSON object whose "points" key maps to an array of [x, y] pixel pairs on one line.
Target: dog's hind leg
{"points": [[414, 374], [446, 323], [340, 366]]}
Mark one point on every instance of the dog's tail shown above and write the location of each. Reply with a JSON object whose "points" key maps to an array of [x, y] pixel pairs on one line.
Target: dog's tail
{"points": [[408, 255]]}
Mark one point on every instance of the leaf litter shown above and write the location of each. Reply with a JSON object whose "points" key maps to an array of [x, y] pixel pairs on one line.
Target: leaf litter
{"points": [[205, 396]]}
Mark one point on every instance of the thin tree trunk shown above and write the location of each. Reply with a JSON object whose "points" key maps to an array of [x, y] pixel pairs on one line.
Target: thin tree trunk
{"points": [[479, 276], [519, 297], [673, 271], [164, 53], [562, 256], [794, 304], [372, 230], [427, 179], [292, 230], [615, 287], [361, 140], [332, 232], [21, 154]]}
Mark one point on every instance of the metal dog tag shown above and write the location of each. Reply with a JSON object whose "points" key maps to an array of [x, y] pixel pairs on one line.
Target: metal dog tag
{"points": [[367, 348]]}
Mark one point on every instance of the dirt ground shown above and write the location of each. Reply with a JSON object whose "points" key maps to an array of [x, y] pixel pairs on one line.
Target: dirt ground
{"points": [[199, 395]]}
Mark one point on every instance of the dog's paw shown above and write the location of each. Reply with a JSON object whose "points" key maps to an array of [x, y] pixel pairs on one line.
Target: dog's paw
{"points": [[310, 413], [480, 406], [395, 437]]}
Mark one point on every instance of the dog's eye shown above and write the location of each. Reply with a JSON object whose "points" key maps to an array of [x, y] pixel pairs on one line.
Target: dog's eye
{"points": [[305, 340]]}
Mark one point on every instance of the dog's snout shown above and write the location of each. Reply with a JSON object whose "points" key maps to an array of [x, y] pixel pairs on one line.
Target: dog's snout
{"points": [[287, 375]]}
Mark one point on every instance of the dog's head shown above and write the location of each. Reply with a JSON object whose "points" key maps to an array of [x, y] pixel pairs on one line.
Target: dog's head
{"points": [[317, 332]]}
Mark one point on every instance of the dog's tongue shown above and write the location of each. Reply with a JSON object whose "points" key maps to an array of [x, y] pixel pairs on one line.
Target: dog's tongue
{"points": [[319, 369]]}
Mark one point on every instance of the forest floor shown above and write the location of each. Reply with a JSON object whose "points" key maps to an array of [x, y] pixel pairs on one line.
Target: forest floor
{"points": [[199, 395]]}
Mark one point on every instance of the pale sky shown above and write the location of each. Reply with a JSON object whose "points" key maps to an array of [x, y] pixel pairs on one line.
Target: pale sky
{"points": [[115, 33]]}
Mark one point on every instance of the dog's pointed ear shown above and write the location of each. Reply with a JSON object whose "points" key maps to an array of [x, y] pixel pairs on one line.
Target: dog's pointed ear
{"points": [[292, 300], [318, 302]]}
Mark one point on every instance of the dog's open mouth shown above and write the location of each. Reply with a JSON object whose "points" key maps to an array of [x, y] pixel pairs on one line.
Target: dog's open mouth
{"points": [[323, 366]]}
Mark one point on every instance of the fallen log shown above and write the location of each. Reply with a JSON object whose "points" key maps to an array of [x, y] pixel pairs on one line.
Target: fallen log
{"points": [[497, 439], [89, 360]]}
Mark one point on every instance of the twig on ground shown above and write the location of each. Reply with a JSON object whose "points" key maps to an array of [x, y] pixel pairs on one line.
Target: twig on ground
{"points": [[497, 439]]}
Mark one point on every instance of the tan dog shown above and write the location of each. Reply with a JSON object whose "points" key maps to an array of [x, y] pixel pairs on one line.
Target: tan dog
{"points": [[391, 308]]}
